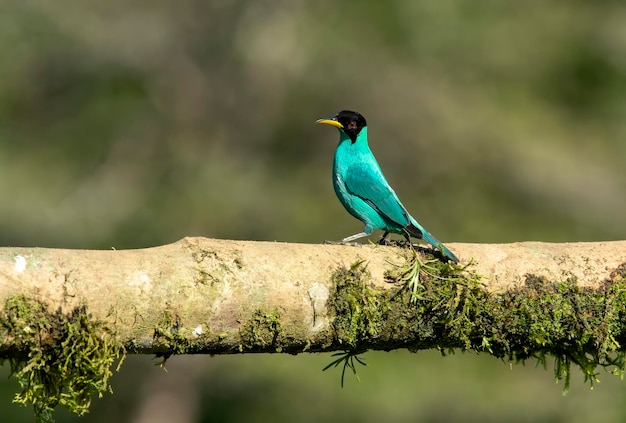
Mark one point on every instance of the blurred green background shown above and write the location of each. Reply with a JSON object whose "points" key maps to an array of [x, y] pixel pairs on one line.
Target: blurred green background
{"points": [[133, 124]]}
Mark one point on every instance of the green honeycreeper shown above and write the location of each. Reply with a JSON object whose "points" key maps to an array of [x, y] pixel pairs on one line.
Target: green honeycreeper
{"points": [[363, 189]]}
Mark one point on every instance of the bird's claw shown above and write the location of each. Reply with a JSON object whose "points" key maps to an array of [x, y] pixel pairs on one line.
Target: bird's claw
{"points": [[385, 241], [394, 243], [352, 244]]}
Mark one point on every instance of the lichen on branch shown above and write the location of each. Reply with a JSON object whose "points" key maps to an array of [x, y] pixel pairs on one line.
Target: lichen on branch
{"points": [[450, 309], [58, 358], [68, 315]]}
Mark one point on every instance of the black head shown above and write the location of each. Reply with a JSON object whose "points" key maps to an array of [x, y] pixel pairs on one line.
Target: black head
{"points": [[348, 121]]}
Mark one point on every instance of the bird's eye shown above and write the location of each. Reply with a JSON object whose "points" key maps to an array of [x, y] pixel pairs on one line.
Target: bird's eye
{"points": [[352, 125]]}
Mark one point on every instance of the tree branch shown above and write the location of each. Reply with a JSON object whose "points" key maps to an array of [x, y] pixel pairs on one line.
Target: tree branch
{"points": [[215, 296], [67, 315]]}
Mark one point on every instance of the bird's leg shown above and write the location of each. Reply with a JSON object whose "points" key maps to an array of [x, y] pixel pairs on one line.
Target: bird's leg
{"points": [[355, 236], [407, 236], [348, 240], [383, 239]]}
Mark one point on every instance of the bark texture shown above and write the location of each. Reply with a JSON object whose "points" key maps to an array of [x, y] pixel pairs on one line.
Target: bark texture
{"points": [[202, 295]]}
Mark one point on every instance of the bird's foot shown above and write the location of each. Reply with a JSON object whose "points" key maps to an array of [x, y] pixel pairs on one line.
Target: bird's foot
{"points": [[399, 243], [386, 242], [437, 254], [404, 243], [352, 244]]}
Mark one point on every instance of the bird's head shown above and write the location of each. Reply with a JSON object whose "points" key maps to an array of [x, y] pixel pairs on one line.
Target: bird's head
{"points": [[349, 122]]}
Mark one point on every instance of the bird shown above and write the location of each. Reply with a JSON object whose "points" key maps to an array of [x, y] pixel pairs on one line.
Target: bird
{"points": [[363, 189]]}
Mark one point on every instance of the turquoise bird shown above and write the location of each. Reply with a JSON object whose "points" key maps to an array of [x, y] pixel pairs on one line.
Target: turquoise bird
{"points": [[363, 189]]}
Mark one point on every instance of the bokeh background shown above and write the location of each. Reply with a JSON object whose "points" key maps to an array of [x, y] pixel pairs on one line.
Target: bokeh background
{"points": [[133, 124]]}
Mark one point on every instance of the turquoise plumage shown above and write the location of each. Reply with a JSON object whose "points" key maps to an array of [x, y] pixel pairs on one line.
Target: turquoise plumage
{"points": [[363, 189]]}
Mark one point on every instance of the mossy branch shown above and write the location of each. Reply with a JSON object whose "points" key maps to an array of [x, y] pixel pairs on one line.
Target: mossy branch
{"points": [[76, 310]]}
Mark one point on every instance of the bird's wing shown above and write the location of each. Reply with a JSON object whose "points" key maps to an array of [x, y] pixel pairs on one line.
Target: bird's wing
{"points": [[371, 186]]}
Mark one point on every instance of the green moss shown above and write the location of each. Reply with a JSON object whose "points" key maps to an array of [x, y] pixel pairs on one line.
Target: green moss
{"points": [[263, 329], [445, 306], [167, 337], [360, 310], [57, 358]]}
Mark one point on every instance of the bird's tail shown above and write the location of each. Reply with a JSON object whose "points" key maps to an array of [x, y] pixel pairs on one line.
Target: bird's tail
{"points": [[437, 244], [426, 236]]}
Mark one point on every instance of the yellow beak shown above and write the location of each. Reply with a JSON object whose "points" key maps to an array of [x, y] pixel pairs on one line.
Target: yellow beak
{"points": [[330, 122]]}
